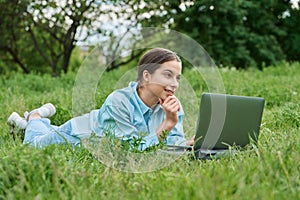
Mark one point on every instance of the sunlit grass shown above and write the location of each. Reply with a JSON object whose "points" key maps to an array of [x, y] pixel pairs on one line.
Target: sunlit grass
{"points": [[270, 170]]}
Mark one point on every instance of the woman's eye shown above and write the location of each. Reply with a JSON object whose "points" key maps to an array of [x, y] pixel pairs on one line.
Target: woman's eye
{"points": [[168, 75]]}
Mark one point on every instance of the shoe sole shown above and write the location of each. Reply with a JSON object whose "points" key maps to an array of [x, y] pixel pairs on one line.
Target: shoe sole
{"points": [[11, 125], [13, 129], [51, 107], [11, 117]]}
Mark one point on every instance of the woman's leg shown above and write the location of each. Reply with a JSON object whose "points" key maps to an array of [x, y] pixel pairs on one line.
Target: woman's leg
{"points": [[40, 133]]}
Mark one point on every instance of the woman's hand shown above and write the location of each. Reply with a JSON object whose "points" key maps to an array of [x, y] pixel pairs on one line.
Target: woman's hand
{"points": [[171, 107], [191, 141]]}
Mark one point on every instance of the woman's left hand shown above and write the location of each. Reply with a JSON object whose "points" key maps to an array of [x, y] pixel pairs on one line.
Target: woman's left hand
{"points": [[191, 141]]}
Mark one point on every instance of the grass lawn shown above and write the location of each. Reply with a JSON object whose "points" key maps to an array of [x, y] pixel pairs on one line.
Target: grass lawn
{"points": [[270, 170]]}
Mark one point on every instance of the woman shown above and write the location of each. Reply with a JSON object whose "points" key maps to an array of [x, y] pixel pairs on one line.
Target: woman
{"points": [[145, 108]]}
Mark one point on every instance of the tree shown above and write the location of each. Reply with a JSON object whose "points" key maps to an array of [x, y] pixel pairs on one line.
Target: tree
{"points": [[238, 33], [44, 30], [290, 42], [126, 18], [12, 30], [53, 26], [37, 34]]}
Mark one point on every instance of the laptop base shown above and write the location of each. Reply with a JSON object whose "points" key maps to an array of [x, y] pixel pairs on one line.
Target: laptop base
{"points": [[202, 154]]}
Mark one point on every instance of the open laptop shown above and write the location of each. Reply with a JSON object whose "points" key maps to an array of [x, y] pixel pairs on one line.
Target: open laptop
{"points": [[224, 121]]}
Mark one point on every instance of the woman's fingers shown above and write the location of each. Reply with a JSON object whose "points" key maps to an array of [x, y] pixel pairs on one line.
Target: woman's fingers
{"points": [[191, 141], [171, 104]]}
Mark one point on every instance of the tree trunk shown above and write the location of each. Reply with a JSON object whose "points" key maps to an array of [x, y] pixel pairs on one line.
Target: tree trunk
{"points": [[69, 45], [67, 56], [18, 61]]}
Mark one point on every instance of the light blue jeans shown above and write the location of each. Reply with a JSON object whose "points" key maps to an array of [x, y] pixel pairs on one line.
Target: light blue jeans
{"points": [[39, 132]]}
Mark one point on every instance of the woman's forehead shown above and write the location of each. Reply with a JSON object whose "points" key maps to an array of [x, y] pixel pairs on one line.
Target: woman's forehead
{"points": [[173, 66]]}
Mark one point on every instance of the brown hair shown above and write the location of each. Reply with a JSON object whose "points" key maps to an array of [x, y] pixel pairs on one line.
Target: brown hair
{"points": [[152, 60]]}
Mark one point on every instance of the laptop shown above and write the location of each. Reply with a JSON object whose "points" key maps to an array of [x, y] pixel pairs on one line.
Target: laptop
{"points": [[224, 121]]}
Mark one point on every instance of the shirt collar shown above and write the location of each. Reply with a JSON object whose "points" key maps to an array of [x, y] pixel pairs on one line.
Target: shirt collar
{"points": [[144, 108], [157, 108]]}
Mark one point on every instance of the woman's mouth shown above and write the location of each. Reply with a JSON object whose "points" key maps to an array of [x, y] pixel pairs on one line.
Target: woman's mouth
{"points": [[170, 92]]}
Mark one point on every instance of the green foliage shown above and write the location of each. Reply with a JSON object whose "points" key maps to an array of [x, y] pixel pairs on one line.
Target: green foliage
{"points": [[290, 42], [130, 144], [236, 33], [40, 36], [124, 144], [289, 113], [271, 168], [12, 29]]}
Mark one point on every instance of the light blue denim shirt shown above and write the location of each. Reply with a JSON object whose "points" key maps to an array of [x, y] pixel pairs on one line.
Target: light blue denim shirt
{"points": [[123, 114], [127, 116]]}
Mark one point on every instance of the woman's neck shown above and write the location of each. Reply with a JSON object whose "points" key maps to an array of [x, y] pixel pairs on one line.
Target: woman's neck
{"points": [[148, 99]]}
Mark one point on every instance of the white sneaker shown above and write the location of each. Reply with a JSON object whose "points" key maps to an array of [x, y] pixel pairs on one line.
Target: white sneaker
{"points": [[45, 111], [14, 120]]}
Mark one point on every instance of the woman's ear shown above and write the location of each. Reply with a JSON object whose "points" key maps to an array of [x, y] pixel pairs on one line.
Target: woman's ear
{"points": [[146, 75]]}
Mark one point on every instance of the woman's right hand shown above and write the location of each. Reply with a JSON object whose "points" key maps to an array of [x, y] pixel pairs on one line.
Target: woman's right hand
{"points": [[171, 107]]}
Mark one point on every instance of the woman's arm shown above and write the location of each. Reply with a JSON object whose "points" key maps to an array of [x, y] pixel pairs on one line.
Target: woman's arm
{"points": [[123, 119], [118, 120], [171, 107]]}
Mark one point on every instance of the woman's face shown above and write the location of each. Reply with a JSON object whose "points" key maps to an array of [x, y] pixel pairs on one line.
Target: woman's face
{"points": [[165, 80]]}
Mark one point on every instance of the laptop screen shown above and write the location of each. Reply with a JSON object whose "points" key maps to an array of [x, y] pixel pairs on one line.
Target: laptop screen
{"points": [[225, 120]]}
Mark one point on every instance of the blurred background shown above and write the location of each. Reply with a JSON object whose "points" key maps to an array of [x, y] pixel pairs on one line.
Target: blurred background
{"points": [[54, 36]]}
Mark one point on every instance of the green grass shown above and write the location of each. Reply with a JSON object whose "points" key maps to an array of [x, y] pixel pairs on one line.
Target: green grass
{"points": [[270, 170]]}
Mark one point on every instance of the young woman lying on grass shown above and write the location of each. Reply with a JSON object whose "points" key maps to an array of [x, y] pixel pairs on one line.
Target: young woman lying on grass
{"points": [[146, 106]]}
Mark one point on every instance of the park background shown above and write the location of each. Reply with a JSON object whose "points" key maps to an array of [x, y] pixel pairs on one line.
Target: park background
{"points": [[255, 45]]}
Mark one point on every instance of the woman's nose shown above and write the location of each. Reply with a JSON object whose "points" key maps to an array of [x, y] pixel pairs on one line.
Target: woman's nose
{"points": [[175, 84]]}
